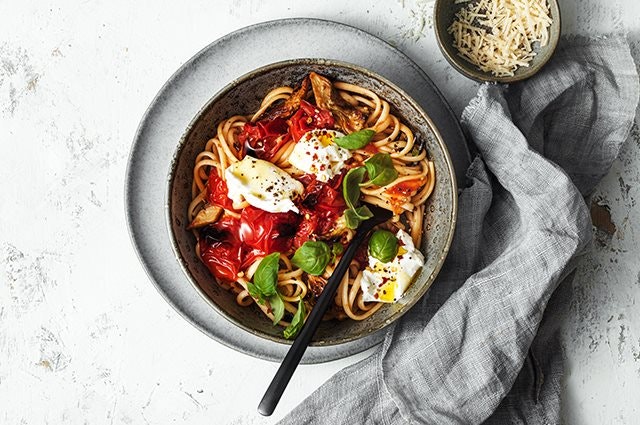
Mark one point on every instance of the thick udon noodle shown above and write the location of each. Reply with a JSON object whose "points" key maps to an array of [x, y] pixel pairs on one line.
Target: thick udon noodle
{"points": [[392, 137]]}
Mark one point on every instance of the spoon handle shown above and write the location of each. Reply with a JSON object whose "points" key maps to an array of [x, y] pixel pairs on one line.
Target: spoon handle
{"points": [[290, 363]]}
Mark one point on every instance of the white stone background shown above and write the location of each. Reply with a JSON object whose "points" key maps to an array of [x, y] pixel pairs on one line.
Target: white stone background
{"points": [[85, 337]]}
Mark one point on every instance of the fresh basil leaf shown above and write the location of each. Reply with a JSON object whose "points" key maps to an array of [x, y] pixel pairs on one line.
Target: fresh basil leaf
{"points": [[354, 217], [355, 140], [351, 219], [383, 245], [380, 170], [363, 212], [350, 186], [277, 308], [266, 278], [312, 257], [255, 293], [296, 323], [336, 250]]}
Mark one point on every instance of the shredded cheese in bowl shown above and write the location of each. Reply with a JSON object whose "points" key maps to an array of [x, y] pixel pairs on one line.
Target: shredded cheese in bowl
{"points": [[498, 36]]}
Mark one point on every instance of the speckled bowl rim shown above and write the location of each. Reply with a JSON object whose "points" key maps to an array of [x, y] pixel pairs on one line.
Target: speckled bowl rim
{"points": [[325, 62], [487, 77]]}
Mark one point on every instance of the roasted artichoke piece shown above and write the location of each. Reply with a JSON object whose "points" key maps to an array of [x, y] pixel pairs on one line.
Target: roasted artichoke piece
{"points": [[205, 216], [347, 117], [290, 106]]}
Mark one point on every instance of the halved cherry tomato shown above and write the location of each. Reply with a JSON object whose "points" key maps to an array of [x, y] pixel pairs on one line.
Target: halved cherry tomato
{"points": [[309, 117], [262, 232], [320, 207], [217, 191], [221, 250], [232, 244], [264, 138]]}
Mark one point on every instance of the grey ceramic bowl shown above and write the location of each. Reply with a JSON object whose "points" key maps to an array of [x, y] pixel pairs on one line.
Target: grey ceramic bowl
{"points": [[243, 96], [444, 12]]}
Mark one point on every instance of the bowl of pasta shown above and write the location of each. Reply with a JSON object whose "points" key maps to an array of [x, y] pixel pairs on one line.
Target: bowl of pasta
{"points": [[274, 175]]}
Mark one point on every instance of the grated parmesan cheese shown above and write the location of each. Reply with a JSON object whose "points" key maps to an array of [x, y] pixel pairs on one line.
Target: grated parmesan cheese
{"points": [[498, 35]]}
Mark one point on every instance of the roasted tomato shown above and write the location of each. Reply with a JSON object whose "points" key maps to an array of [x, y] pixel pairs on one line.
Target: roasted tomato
{"points": [[306, 229], [307, 118], [264, 138], [221, 250], [263, 232], [321, 205], [232, 244], [217, 191]]}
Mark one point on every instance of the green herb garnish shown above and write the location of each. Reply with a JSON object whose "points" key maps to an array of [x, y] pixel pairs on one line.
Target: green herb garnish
{"points": [[266, 278], [277, 308], [351, 186], [355, 140], [312, 257], [265, 284], [353, 217], [351, 193], [336, 250], [383, 246], [380, 170], [296, 323]]}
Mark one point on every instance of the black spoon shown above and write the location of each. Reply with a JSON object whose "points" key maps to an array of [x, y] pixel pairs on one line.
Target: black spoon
{"points": [[290, 363]]}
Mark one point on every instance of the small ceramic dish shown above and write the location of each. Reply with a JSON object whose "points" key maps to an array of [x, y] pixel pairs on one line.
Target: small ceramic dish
{"points": [[243, 96], [444, 12]]}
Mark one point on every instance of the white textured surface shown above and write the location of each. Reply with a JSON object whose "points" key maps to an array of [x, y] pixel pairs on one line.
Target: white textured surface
{"points": [[85, 337]]}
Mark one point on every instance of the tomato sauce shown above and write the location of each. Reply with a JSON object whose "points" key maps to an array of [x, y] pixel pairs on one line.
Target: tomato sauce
{"points": [[401, 193], [264, 138]]}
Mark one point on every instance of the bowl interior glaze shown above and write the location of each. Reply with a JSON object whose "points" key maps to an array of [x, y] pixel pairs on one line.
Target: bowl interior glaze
{"points": [[243, 96]]}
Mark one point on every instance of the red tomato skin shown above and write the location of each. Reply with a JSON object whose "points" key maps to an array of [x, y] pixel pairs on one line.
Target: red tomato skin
{"points": [[321, 205], [217, 191], [221, 250], [263, 233], [309, 117], [232, 245], [264, 138]]}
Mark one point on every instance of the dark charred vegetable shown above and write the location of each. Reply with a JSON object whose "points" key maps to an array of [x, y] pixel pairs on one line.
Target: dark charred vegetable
{"points": [[205, 216], [347, 117], [290, 106]]}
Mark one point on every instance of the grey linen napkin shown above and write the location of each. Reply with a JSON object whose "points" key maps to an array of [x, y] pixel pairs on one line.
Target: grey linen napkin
{"points": [[468, 352]]}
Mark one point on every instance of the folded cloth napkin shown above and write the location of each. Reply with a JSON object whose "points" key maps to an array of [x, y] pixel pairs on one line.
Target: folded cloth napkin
{"points": [[468, 352]]}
